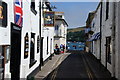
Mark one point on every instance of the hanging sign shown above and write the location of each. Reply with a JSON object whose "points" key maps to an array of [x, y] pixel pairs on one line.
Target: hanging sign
{"points": [[49, 19]]}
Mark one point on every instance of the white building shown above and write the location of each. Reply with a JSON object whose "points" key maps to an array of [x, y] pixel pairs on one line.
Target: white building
{"points": [[60, 29], [19, 45], [107, 22], [47, 31], [95, 27]]}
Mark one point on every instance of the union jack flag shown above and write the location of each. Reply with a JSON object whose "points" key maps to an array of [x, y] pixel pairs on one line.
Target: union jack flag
{"points": [[18, 13]]}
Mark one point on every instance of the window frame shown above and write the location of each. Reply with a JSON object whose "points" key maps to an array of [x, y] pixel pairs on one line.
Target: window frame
{"points": [[32, 7]]}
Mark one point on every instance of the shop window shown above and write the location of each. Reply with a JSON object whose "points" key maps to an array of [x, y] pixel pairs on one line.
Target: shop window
{"points": [[33, 7], [32, 50]]}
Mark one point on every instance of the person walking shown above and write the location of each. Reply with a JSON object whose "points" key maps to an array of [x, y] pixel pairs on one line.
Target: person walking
{"points": [[56, 51], [63, 48]]}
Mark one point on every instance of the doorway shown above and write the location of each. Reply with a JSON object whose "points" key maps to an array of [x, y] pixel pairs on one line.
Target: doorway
{"points": [[15, 58]]}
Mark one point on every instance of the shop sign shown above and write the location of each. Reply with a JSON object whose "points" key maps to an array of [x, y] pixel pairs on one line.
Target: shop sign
{"points": [[26, 46], [3, 14]]}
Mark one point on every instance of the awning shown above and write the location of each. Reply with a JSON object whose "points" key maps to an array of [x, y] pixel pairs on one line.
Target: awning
{"points": [[95, 36]]}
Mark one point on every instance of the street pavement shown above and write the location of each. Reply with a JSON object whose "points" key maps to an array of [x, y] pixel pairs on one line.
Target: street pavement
{"points": [[50, 66], [79, 66]]}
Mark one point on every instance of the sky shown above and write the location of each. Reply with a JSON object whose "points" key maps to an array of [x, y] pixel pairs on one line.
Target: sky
{"points": [[76, 13]]}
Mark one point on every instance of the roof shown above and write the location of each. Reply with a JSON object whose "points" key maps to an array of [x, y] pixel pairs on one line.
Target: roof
{"points": [[59, 12], [62, 20], [90, 18]]}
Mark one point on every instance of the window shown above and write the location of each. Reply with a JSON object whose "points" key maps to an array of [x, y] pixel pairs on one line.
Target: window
{"points": [[3, 14], [60, 32], [56, 27], [38, 44], [47, 44], [7, 54], [108, 49], [32, 50], [107, 9], [33, 7], [93, 24], [4, 58]]}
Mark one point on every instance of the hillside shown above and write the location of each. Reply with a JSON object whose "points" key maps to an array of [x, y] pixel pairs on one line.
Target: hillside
{"points": [[75, 29], [76, 34]]}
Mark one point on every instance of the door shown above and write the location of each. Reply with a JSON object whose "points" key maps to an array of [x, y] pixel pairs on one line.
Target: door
{"points": [[15, 52], [41, 52]]}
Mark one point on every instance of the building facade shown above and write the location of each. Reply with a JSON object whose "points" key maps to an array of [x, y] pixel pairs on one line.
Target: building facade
{"points": [[19, 43], [47, 30], [60, 29], [106, 21]]}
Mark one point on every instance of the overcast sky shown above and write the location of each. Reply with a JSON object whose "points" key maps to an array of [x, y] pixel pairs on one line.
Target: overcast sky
{"points": [[75, 12]]}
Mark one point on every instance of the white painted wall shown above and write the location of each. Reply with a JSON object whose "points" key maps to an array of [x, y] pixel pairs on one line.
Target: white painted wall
{"points": [[96, 28], [106, 31], [62, 31], [30, 24], [117, 39], [48, 32], [5, 33]]}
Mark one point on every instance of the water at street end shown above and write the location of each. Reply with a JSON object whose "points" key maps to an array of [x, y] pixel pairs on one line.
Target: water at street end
{"points": [[75, 45]]}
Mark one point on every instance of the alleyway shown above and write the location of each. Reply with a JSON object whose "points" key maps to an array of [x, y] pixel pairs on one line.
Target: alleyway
{"points": [[79, 65]]}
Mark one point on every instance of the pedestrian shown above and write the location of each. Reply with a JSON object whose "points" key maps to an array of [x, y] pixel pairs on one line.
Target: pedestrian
{"points": [[63, 47], [56, 49], [75, 46], [56, 46]]}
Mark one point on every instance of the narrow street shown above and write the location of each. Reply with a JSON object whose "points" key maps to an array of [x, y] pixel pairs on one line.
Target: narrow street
{"points": [[79, 65], [60, 39]]}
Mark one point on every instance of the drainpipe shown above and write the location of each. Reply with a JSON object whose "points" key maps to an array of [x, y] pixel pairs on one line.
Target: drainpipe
{"points": [[100, 29], [113, 39], [40, 33]]}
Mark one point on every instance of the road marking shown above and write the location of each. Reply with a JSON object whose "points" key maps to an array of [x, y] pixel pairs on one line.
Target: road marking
{"points": [[89, 73]]}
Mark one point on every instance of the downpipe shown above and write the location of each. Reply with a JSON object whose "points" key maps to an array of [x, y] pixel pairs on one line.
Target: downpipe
{"points": [[113, 40]]}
